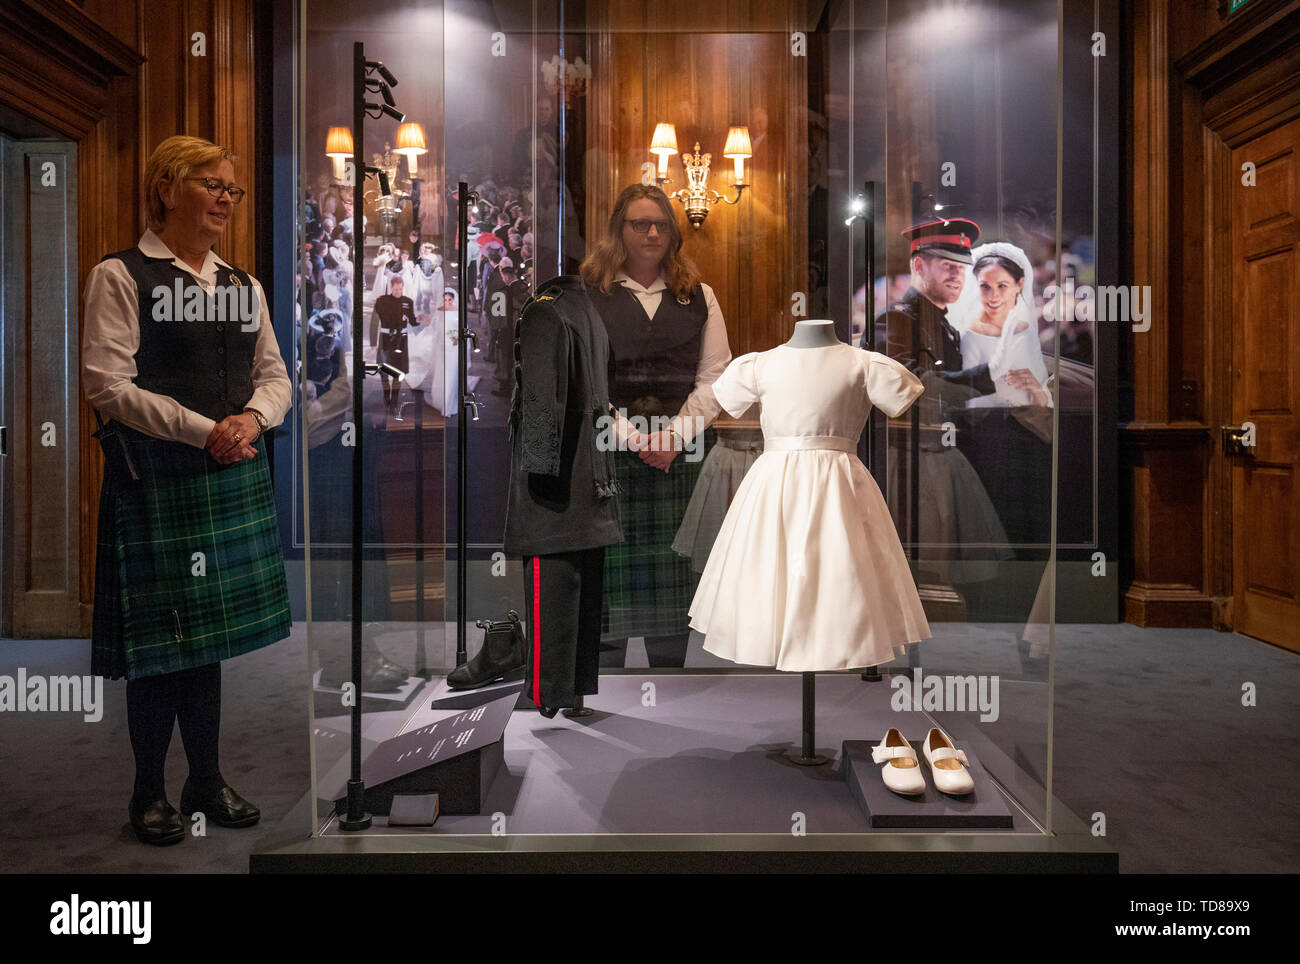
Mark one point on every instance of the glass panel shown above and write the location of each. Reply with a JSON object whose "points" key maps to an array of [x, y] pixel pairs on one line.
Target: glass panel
{"points": [[404, 264], [971, 135], [934, 111]]}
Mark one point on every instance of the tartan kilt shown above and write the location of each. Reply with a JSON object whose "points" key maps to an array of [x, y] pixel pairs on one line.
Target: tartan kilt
{"points": [[153, 614], [648, 585]]}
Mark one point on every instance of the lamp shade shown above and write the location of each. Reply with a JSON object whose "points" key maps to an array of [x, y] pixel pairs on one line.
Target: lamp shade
{"points": [[338, 142], [665, 140], [410, 140], [738, 144]]}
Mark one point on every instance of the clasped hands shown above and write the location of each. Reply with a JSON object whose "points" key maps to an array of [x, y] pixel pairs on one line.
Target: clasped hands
{"points": [[231, 439], [657, 449]]}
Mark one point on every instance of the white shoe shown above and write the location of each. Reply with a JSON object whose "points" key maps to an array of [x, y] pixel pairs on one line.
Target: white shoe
{"points": [[946, 764], [901, 771]]}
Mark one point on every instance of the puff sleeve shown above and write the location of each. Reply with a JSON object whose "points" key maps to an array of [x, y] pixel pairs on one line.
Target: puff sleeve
{"points": [[737, 387], [890, 386]]}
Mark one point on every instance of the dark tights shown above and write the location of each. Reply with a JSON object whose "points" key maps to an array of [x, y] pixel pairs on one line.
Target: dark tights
{"points": [[660, 650], [154, 704]]}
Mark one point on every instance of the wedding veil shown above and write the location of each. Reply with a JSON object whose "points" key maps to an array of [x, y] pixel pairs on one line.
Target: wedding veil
{"points": [[1016, 349]]}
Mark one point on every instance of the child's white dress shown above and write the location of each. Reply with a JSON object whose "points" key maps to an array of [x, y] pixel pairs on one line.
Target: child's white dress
{"points": [[807, 572]]}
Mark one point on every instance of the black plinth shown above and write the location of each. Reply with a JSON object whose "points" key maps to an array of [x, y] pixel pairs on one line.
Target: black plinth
{"points": [[982, 808], [457, 757]]}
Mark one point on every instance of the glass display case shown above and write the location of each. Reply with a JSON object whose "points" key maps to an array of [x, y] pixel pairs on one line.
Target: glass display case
{"points": [[935, 179]]}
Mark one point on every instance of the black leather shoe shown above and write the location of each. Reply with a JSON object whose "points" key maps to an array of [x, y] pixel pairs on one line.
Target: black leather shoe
{"points": [[548, 711], [225, 807], [500, 656], [156, 822]]}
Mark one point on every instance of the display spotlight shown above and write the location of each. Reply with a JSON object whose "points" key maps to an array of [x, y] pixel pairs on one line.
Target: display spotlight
{"points": [[379, 109], [857, 209], [384, 72], [379, 87]]}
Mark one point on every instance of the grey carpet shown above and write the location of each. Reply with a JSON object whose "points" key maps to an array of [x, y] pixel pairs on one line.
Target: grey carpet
{"points": [[1150, 732]]}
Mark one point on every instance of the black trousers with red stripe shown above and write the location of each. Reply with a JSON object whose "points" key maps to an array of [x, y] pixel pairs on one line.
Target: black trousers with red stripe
{"points": [[562, 593]]}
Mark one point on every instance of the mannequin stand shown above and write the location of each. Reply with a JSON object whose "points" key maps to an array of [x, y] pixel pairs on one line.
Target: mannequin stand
{"points": [[578, 709], [809, 757]]}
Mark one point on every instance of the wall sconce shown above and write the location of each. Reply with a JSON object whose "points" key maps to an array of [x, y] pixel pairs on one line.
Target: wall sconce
{"points": [[338, 147], [697, 196], [410, 141], [664, 144]]}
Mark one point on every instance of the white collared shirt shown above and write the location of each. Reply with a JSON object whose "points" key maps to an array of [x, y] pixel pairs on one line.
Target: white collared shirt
{"points": [[111, 338], [715, 353]]}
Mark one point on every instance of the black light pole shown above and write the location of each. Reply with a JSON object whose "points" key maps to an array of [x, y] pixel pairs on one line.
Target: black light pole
{"points": [[422, 653], [868, 216], [356, 818], [464, 199], [914, 495]]}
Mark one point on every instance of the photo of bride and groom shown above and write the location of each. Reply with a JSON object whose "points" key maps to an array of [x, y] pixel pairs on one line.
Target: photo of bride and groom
{"points": [[968, 325]]}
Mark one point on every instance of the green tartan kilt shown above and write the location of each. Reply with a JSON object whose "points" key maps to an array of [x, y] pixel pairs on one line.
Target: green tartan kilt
{"points": [[648, 586], [156, 610]]}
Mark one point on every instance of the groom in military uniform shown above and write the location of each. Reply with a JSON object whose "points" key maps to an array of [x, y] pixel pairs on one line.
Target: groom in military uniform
{"points": [[392, 315], [916, 329]]}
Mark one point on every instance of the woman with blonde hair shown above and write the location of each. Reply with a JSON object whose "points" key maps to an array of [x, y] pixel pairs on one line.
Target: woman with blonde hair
{"points": [[178, 352], [670, 345]]}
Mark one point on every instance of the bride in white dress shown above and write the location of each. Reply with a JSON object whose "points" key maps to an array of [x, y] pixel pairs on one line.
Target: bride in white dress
{"points": [[999, 326]]}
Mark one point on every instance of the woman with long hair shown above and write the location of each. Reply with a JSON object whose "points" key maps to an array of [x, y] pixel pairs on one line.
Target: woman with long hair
{"points": [[670, 344]]}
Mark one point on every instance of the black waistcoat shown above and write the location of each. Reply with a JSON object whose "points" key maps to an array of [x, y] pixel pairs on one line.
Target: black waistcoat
{"points": [[205, 364], [655, 360]]}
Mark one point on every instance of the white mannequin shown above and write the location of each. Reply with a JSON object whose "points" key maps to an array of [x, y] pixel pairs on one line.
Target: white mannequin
{"points": [[813, 333]]}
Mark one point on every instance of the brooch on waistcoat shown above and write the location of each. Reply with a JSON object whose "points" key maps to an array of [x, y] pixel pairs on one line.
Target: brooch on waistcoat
{"points": [[683, 301], [234, 280]]}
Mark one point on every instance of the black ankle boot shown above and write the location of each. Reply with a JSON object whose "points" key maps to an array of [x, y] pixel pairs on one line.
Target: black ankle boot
{"points": [[503, 653]]}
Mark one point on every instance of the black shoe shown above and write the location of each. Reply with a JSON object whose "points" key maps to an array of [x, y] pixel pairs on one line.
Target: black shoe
{"points": [[156, 822], [501, 654], [225, 807], [547, 711]]}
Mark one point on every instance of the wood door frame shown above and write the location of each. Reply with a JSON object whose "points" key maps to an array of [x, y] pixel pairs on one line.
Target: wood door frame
{"points": [[64, 71], [1243, 96]]}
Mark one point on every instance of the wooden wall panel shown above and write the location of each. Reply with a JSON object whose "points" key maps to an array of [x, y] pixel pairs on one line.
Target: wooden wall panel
{"points": [[1200, 78], [118, 76], [754, 254]]}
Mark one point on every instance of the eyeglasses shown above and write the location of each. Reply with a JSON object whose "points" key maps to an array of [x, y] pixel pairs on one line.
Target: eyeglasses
{"points": [[643, 225], [215, 188]]}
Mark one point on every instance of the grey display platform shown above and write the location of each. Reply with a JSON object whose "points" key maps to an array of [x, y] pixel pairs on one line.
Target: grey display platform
{"points": [[691, 771], [983, 808]]}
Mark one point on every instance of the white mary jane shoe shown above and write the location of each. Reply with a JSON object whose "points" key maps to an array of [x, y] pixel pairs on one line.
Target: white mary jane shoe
{"points": [[947, 764], [901, 771]]}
